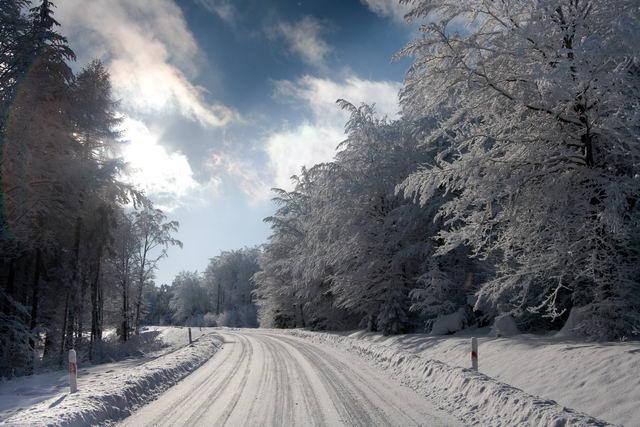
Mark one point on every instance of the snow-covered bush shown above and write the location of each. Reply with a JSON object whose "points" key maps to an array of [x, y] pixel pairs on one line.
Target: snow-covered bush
{"points": [[210, 320], [451, 323], [16, 349], [596, 322], [242, 317], [112, 348], [504, 326]]}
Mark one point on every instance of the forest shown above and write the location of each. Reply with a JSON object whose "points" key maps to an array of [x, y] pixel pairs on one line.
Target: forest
{"points": [[508, 186], [221, 296], [79, 245]]}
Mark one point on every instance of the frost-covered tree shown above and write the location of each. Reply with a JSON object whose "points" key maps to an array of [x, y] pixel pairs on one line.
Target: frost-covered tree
{"points": [[382, 244], [293, 284], [277, 291], [62, 199], [347, 249], [33, 157], [14, 49], [229, 281], [125, 250], [36, 146], [190, 301], [158, 300], [544, 155], [154, 236]]}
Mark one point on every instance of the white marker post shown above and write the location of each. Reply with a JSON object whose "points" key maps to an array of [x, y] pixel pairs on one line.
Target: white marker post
{"points": [[474, 354], [73, 372], [190, 336]]}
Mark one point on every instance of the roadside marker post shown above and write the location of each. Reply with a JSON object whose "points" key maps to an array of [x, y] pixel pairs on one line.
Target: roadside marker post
{"points": [[474, 354], [73, 372], [190, 341]]}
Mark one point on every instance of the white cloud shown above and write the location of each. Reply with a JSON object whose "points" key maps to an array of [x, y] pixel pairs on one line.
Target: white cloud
{"points": [[388, 8], [164, 176], [304, 145], [243, 174], [224, 9], [315, 140], [149, 51], [321, 94], [304, 38], [152, 57]]}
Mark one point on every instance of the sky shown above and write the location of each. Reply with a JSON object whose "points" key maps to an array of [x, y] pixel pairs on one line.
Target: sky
{"points": [[223, 100]]}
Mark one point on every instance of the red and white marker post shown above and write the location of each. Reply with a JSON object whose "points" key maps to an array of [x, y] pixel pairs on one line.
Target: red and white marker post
{"points": [[73, 372], [474, 354]]}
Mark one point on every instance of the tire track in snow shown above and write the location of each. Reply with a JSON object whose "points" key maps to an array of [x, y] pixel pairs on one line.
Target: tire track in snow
{"points": [[308, 395], [246, 353], [266, 378], [199, 396], [239, 390], [361, 384], [345, 399], [188, 400]]}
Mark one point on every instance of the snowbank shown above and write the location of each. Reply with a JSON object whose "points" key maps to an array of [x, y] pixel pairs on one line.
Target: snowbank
{"points": [[116, 393], [504, 326], [449, 323], [600, 379], [155, 341], [473, 397]]}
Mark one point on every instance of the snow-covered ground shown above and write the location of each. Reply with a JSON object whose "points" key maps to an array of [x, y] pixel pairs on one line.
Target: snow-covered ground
{"points": [[601, 380], [177, 336], [300, 377], [20, 394]]}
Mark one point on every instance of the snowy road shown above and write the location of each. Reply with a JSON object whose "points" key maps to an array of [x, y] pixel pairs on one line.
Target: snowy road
{"points": [[267, 378]]}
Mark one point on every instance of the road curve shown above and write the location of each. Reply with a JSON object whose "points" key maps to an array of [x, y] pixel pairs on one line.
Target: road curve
{"points": [[263, 378]]}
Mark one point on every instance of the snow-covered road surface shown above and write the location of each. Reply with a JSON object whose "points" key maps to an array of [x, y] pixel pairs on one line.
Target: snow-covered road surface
{"points": [[267, 378]]}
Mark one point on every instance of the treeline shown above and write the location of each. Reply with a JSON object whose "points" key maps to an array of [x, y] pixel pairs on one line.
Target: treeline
{"points": [[222, 296], [78, 246], [508, 186]]}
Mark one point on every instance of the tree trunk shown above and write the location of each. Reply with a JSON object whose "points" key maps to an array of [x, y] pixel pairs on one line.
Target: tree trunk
{"points": [[139, 297], [96, 330], [125, 313], [83, 293], [100, 314], [302, 316], [48, 345], [73, 311], [141, 279], [71, 321], [137, 318], [35, 295], [218, 300], [468, 281], [64, 328], [10, 288]]}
